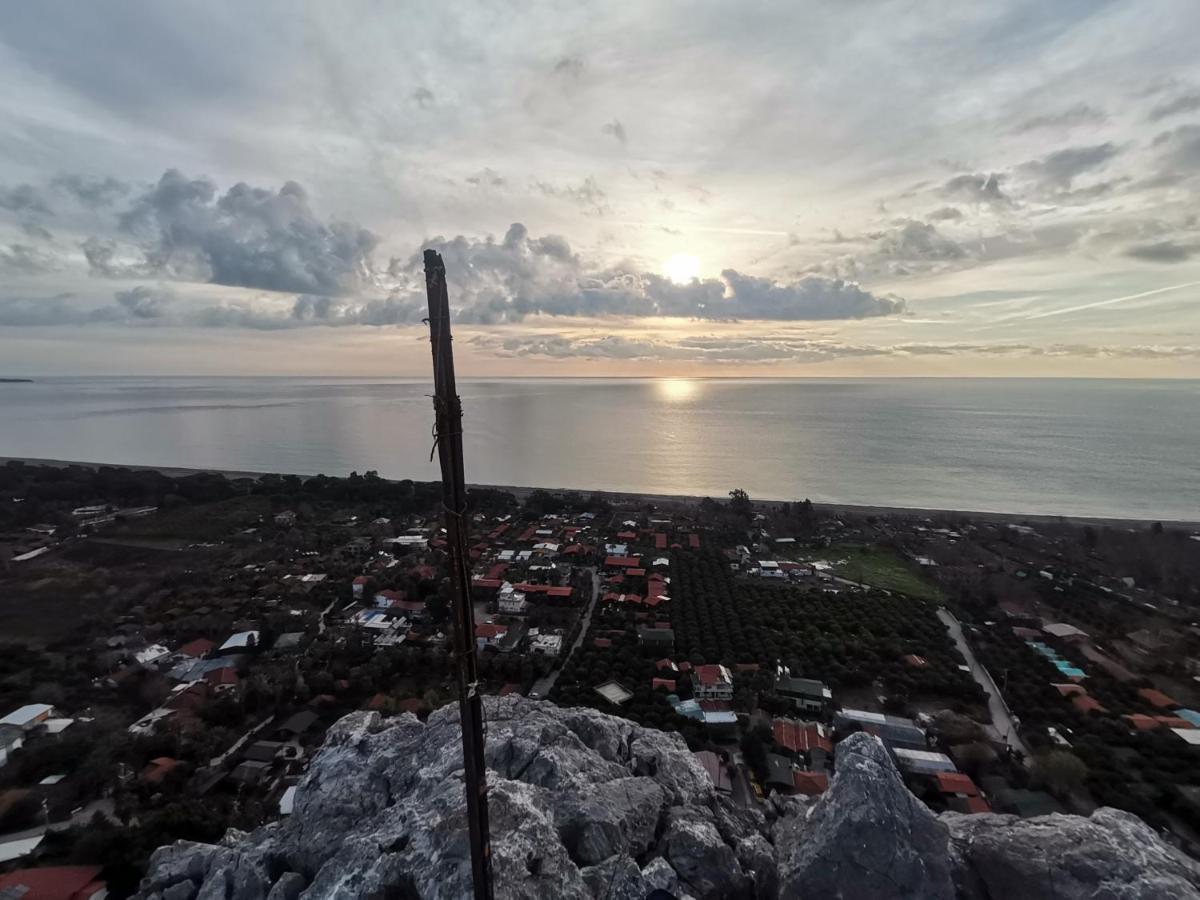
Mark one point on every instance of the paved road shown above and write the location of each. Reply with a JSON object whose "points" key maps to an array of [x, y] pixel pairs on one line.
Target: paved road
{"points": [[1003, 726], [542, 686]]}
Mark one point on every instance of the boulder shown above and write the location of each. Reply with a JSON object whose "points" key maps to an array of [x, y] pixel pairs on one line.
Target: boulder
{"points": [[866, 838], [1059, 857]]}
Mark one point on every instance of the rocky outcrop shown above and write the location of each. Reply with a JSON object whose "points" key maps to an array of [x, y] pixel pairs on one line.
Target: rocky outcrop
{"points": [[585, 805]]}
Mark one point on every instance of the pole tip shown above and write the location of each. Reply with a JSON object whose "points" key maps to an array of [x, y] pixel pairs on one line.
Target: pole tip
{"points": [[433, 261]]}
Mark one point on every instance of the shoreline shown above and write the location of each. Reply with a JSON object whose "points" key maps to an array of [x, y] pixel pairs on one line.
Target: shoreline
{"points": [[522, 492]]}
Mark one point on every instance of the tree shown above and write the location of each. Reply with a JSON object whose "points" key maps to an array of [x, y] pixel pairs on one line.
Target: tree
{"points": [[1059, 771], [739, 503]]}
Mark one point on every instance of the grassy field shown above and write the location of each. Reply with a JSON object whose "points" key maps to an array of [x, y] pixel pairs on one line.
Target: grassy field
{"points": [[878, 567]]}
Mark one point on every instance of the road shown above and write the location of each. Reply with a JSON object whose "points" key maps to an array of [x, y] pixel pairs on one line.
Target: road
{"points": [[1003, 727], [542, 686]]}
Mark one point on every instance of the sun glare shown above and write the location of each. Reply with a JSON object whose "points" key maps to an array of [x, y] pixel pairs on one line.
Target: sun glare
{"points": [[681, 268], [676, 390]]}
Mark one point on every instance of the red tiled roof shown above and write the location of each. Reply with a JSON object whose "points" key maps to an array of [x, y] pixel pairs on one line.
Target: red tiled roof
{"points": [[667, 683], [710, 674], [376, 703], [361, 579], [665, 663], [810, 783], [412, 705], [977, 804], [490, 630], [1157, 698], [528, 533], [425, 572], [54, 882], [635, 573], [693, 540], [391, 595], [1084, 703], [601, 643], [1070, 690], [1143, 722], [488, 583], [956, 783], [627, 535], [800, 737], [158, 769], [223, 676], [917, 662], [715, 705], [1173, 722], [497, 570], [660, 541], [622, 562], [562, 591], [197, 648]]}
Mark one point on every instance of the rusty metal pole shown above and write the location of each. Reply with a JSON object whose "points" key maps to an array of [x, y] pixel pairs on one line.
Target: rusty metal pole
{"points": [[448, 429]]}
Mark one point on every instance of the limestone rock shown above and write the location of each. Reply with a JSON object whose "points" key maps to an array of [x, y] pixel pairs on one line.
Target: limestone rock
{"points": [[867, 838], [1109, 854]]}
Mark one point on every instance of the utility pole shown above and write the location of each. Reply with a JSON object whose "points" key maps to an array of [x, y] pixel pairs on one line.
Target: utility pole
{"points": [[448, 432]]}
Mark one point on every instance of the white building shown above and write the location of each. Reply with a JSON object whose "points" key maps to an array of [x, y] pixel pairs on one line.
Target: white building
{"points": [[712, 682], [29, 717], [511, 601], [546, 644]]}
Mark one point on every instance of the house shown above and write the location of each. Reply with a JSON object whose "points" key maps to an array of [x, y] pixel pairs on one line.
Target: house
{"points": [[922, 762], [717, 772], [1064, 632], [358, 585], [222, 680], [197, 649], [779, 774], [802, 737], [243, 640], [512, 602], [712, 682], [488, 634], [657, 640], [614, 692], [546, 644], [806, 694], [1150, 695], [388, 598], [810, 784], [894, 731], [54, 883], [12, 738], [29, 717], [158, 769], [961, 793], [298, 723]]}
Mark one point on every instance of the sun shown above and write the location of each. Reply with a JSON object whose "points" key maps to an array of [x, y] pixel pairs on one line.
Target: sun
{"points": [[681, 268]]}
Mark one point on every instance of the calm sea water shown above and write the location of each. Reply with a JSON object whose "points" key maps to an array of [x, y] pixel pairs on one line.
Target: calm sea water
{"points": [[1104, 448]]}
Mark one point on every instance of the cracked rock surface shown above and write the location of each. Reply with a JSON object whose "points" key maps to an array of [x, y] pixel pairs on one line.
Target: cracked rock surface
{"points": [[586, 805]]}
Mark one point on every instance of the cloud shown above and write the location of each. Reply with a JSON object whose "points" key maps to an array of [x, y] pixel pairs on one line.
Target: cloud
{"points": [[24, 259], [23, 198], [520, 276], [92, 192], [1058, 169], [34, 230], [1072, 116], [775, 349], [144, 302], [1183, 103], [569, 67], [1180, 147], [1162, 252], [945, 214], [919, 241], [486, 178], [248, 237], [587, 194], [101, 256], [976, 188], [617, 130], [424, 97]]}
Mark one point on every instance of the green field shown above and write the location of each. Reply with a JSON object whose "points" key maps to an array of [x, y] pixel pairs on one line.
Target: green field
{"points": [[878, 567]]}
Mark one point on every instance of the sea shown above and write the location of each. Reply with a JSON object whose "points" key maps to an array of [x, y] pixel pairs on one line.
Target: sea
{"points": [[1105, 448]]}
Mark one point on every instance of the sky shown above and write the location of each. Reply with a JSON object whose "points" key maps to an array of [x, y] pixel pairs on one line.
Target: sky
{"points": [[870, 187]]}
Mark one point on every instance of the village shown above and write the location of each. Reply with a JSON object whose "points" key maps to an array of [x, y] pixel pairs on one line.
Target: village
{"points": [[177, 646]]}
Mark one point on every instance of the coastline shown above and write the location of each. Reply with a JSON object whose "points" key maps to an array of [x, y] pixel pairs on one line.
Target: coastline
{"points": [[521, 491]]}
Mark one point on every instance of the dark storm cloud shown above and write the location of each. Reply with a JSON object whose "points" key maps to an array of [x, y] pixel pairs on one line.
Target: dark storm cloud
{"points": [[1162, 252], [569, 67], [1183, 103], [976, 188], [423, 97], [23, 198], [1058, 169], [247, 237], [92, 192], [1079, 114], [101, 256], [945, 214], [617, 130]]}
